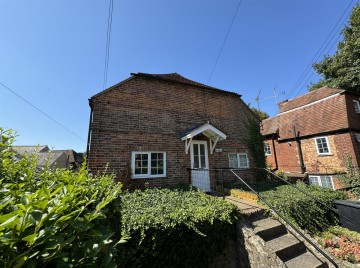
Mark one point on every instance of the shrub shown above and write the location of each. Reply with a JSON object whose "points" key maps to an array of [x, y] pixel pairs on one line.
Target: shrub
{"points": [[301, 209], [174, 228], [55, 217], [351, 178], [341, 242]]}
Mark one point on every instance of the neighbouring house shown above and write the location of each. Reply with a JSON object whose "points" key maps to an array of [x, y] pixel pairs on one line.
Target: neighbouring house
{"points": [[154, 128], [54, 158], [313, 135]]}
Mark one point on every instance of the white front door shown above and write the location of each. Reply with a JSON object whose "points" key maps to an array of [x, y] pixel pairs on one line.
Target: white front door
{"points": [[200, 165]]}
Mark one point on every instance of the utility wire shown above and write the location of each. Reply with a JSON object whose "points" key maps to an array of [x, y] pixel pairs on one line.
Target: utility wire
{"points": [[108, 40], [289, 120], [223, 44], [322, 48], [45, 114]]}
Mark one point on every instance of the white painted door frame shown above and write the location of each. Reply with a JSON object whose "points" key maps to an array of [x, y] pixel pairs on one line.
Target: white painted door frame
{"points": [[200, 176]]}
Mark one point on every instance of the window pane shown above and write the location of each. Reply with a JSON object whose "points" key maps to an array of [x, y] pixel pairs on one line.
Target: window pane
{"points": [[313, 180], [357, 106], [202, 157], [141, 163], [202, 149], [326, 182], [233, 162], [157, 161], [267, 149], [243, 160], [322, 145], [154, 171], [196, 155], [196, 149]]}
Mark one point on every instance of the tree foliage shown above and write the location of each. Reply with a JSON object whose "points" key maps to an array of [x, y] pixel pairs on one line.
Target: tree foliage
{"points": [[343, 69], [55, 218], [262, 115]]}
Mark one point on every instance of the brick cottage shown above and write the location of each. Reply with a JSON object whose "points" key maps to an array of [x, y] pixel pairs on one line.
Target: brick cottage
{"points": [[313, 135], [154, 127]]}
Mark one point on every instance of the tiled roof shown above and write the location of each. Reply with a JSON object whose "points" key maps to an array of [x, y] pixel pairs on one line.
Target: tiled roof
{"points": [[320, 117], [171, 77], [177, 78], [22, 150], [308, 98]]}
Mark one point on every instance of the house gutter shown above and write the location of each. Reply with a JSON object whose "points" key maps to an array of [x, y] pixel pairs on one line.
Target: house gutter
{"points": [[274, 150], [89, 130], [298, 144]]}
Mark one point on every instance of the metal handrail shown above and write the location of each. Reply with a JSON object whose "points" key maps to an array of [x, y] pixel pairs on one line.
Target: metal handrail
{"points": [[312, 197], [288, 222]]}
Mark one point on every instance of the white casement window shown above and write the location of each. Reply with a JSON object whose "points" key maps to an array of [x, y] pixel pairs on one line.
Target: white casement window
{"points": [[322, 146], [323, 181], [357, 106], [240, 160], [148, 164], [267, 148]]}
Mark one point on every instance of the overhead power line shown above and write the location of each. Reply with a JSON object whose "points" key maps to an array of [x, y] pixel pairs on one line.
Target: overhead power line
{"points": [[223, 44], [108, 41], [45, 114], [334, 31]]}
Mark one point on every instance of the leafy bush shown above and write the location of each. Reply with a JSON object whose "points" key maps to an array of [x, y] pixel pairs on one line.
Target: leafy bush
{"points": [[351, 178], [174, 228], [55, 217], [301, 209]]}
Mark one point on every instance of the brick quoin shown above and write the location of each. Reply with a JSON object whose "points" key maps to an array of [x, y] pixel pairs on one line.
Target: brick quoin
{"points": [[148, 113]]}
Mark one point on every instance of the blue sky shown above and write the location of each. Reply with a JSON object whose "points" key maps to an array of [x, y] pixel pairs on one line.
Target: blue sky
{"points": [[53, 53]]}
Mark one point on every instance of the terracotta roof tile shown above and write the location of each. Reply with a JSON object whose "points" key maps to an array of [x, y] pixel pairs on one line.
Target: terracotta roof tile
{"points": [[308, 98], [321, 117]]}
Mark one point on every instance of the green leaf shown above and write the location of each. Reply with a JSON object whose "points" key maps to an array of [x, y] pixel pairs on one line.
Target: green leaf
{"points": [[30, 238]]}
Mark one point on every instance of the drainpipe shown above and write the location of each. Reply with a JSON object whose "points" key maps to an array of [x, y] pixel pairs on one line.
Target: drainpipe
{"points": [[274, 150], [298, 144], [89, 131]]}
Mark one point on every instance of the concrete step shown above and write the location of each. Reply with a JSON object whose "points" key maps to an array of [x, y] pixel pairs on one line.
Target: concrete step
{"points": [[286, 246], [306, 259], [246, 208], [268, 228]]}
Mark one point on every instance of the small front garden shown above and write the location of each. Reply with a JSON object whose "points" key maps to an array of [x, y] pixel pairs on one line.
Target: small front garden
{"points": [[62, 218]]}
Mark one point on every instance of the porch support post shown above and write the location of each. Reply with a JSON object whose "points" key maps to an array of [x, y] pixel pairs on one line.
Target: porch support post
{"points": [[187, 145], [212, 145]]}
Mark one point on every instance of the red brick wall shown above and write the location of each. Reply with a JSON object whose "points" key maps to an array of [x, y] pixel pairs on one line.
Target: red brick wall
{"points": [[149, 114]]}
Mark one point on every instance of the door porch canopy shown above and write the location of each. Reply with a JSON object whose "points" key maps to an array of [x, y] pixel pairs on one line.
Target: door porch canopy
{"points": [[212, 133]]}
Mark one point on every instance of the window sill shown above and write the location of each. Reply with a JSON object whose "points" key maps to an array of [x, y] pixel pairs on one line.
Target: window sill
{"points": [[322, 155], [147, 177]]}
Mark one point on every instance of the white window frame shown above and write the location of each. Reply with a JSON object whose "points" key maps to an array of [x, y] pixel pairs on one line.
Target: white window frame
{"points": [[327, 143], [267, 148], [319, 182], [357, 137], [238, 160], [357, 106], [148, 174]]}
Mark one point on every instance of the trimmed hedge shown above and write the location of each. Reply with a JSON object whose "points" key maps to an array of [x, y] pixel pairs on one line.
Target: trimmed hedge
{"points": [[174, 228], [55, 218], [301, 209]]}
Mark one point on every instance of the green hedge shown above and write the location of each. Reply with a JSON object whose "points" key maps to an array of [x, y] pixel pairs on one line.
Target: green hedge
{"points": [[301, 209], [55, 217], [174, 228]]}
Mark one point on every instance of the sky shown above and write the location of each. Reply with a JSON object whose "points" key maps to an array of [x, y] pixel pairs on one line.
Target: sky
{"points": [[53, 54]]}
